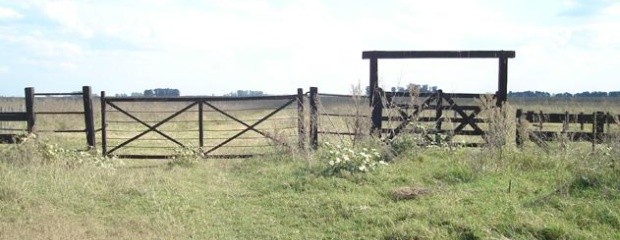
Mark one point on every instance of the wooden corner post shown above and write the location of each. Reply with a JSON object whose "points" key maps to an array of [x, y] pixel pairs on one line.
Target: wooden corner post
{"points": [[502, 80], [104, 142], [31, 128], [301, 132], [314, 119], [89, 119], [375, 97]]}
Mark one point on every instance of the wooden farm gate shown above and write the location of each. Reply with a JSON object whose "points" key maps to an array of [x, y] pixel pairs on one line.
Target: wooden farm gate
{"points": [[29, 116], [438, 101], [426, 113], [214, 127], [449, 114]]}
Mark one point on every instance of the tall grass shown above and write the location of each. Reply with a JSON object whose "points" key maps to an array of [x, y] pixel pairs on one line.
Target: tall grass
{"points": [[462, 193]]}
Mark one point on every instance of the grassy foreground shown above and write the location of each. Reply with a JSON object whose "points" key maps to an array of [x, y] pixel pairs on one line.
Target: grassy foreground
{"points": [[563, 194]]}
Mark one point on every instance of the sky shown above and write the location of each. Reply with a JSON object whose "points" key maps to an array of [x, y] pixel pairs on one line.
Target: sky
{"points": [[219, 46]]}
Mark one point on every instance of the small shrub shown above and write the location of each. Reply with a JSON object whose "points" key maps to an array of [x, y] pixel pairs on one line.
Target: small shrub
{"points": [[35, 151], [341, 159], [185, 157], [403, 143]]}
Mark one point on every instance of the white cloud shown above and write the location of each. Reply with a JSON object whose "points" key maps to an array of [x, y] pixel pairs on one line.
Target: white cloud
{"points": [[42, 47], [8, 13]]}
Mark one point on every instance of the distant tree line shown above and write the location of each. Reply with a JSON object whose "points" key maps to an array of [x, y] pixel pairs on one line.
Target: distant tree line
{"points": [[421, 88], [157, 92], [245, 93], [539, 94], [162, 92]]}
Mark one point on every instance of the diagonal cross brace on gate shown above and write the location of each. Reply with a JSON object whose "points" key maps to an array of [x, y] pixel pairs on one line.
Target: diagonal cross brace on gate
{"points": [[407, 118], [244, 124], [248, 127], [466, 119], [150, 127]]}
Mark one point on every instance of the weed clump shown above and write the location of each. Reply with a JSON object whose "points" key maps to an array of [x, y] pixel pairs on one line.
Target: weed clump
{"points": [[33, 151], [349, 160], [185, 157]]}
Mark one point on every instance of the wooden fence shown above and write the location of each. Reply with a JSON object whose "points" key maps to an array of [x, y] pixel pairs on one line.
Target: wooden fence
{"points": [[395, 115], [29, 116], [598, 126]]}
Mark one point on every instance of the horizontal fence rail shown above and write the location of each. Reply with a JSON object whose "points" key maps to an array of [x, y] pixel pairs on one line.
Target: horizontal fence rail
{"points": [[531, 125]]}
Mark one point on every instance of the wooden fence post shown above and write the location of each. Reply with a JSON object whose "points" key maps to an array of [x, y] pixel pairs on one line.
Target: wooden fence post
{"points": [[29, 99], [104, 145], [565, 124], [377, 111], [301, 133], [502, 88], [438, 110], [201, 135], [89, 119], [541, 119], [314, 118], [600, 126], [519, 138]]}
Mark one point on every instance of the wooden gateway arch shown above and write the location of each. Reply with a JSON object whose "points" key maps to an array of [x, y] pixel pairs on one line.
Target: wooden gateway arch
{"points": [[467, 119]]}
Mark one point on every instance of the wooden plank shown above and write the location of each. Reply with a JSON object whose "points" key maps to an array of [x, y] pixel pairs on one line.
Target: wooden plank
{"points": [[89, 118], [427, 94], [433, 131], [559, 117], [456, 107], [341, 95], [436, 54], [60, 113], [59, 94], [197, 99], [343, 115], [13, 117]]}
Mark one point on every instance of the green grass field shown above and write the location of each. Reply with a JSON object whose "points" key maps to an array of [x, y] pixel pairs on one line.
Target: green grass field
{"points": [[563, 192]]}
